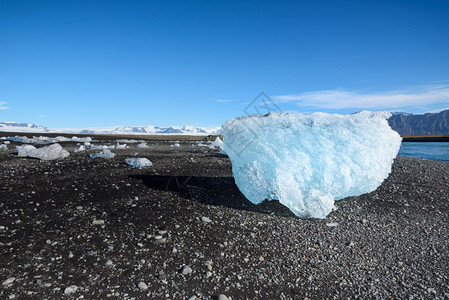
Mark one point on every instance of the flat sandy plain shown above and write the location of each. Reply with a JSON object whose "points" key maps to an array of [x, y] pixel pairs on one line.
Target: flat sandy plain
{"points": [[103, 227]]}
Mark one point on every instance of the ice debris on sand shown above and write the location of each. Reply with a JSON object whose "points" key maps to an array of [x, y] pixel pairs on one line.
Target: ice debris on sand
{"points": [[51, 152], [307, 161], [3, 147], [80, 149], [142, 145], [106, 153], [47, 140], [138, 162], [217, 142]]}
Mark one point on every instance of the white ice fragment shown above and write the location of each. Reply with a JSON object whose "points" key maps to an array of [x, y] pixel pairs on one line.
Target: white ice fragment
{"points": [[8, 281], [24, 150], [217, 142], [142, 285], [142, 145], [307, 161], [175, 145], [106, 153], [51, 152], [186, 270], [70, 289], [81, 148], [3, 147], [206, 220], [98, 222], [121, 146], [332, 224], [108, 263], [127, 141], [138, 162]]}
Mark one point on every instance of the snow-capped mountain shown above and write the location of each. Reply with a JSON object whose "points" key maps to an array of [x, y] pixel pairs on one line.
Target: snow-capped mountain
{"points": [[155, 130], [21, 127], [186, 130]]}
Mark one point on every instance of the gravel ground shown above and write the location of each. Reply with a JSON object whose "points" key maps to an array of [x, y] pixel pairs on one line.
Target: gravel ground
{"points": [[84, 228]]}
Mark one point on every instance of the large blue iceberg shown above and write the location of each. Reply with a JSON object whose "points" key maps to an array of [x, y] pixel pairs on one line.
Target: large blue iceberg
{"points": [[307, 161]]}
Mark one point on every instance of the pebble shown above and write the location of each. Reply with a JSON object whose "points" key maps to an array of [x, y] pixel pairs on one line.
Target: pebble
{"points": [[79, 207], [70, 289], [98, 222], [332, 224], [108, 263], [186, 270], [161, 275], [206, 219], [142, 285], [8, 281], [192, 297], [222, 297]]}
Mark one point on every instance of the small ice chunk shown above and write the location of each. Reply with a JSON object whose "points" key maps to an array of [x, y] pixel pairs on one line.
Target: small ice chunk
{"points": [[142, 145], [25, 150], [120, 146], [175, 145], [138, 162], [8, 281], [70, 289], [81, 148], [217, 142], [51, 152], [106, 153], [127, 141], [3, 147], [142, 285], [307, 161]]}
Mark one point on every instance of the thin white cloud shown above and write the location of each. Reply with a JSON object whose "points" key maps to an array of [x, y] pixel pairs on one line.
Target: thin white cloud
{"points": [[2, 107], [223, 100], [419, 97]]}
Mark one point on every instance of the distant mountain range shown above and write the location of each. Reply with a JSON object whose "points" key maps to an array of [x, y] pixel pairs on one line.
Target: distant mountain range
{"points": [[426, 124], [25, 127], [403, 123]]}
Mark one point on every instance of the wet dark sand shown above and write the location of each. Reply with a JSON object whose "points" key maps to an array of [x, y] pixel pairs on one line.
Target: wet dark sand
{"points": [[391, 243]]}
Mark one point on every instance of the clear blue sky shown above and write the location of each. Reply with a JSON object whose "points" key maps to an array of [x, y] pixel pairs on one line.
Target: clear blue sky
{"points": [[104, 63]]}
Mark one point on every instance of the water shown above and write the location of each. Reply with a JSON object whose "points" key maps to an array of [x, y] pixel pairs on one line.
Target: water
{"points": [[435, 151]]}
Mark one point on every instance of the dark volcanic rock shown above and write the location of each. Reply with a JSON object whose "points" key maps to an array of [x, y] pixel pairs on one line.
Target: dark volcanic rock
{"points": [[388, 244]]}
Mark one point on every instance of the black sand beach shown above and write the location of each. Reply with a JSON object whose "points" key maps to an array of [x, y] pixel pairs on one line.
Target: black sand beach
{"points": [[84, 228]]}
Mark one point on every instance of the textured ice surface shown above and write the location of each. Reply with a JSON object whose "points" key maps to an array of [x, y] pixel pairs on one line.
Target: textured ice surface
{"points": [[138, 162], [3, 147], [106, 153], [51, 152], [307, 161]]}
